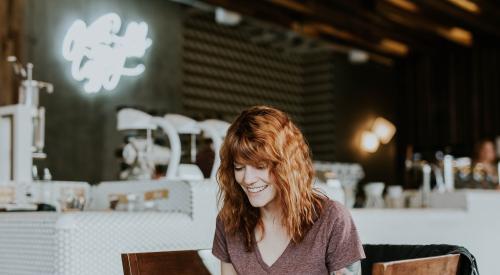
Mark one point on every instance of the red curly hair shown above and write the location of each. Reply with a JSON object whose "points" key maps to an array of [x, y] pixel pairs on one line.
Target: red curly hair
{"points": [[265, 135]]}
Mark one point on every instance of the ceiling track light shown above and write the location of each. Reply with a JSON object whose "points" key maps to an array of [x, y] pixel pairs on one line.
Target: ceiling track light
{"points": [[457, 35], [466, 5], [394, 46], [405, 5]]}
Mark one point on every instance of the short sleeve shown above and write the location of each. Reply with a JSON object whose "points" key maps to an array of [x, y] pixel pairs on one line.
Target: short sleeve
{"points": [[219, 247], [344, 245]]}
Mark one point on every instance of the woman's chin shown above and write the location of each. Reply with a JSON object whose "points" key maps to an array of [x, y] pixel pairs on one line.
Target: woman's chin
{"points": [[259, 200], [257, 204]]}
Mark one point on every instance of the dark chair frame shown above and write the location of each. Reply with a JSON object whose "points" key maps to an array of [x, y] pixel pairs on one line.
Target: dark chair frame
{"points": [[186, 262]]}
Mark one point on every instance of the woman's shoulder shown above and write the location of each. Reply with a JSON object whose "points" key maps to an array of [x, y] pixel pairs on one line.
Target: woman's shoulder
{"points": [[334, 210]]}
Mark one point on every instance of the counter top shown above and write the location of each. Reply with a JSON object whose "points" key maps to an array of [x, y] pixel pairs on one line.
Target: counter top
{"points": [[475, 226]]}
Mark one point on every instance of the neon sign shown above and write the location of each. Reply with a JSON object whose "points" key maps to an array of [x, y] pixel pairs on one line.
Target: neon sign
{"points": [[98, 54]]}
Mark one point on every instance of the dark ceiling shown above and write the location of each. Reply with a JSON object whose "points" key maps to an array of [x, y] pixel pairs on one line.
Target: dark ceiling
{"points": [[387, 29]]}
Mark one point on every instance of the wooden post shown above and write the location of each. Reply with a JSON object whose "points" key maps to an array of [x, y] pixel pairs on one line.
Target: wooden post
{"points": [[11, 43]]}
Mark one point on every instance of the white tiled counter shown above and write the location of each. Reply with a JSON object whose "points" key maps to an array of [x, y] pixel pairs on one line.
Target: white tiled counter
{"points": [[91, 242], [474, 224]]}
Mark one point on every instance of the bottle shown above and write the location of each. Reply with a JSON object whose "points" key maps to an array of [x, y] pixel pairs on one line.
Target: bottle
{"points": [[34, 172], [426, 185], [449, 179], [47, 176]]}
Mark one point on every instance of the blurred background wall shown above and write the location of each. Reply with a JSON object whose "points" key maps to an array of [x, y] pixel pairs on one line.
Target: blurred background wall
{"points": [[202, 69], [439, 94], [81, 128]]}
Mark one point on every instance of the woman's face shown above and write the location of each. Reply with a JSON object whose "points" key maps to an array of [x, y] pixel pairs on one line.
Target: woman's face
{"points": [[487, 152], [257, 184]]}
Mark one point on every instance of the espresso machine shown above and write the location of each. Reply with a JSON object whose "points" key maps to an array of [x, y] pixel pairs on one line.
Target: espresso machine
{"points": [[22, 127], [215, 130], [140, 153]]}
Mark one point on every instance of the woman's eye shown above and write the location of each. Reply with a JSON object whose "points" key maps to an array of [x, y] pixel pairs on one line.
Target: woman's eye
{"points": [[236, 168], [262, 167]]}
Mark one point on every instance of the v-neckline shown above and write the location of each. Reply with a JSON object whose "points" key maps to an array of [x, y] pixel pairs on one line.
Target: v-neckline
{"points": [[259, 256]]}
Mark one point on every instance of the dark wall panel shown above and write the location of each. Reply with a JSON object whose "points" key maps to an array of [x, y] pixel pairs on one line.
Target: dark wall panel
{"points": [[319, 105], [224, 72], [81, 133], [362, 93], [452, 97]]}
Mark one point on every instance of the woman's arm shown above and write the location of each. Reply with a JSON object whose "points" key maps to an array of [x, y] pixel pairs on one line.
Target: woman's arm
{"points": [[352, 269], [228, 269]]}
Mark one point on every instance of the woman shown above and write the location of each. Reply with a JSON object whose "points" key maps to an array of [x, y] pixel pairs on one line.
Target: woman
{"points": [[271, 220], [485, 163]]}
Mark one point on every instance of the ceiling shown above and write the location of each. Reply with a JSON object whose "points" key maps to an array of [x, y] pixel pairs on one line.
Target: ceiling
{"points": [[386, 29]]}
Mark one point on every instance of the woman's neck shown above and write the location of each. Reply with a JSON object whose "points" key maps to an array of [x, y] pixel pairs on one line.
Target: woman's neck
{"points": [[271, 213], [272, 220]]}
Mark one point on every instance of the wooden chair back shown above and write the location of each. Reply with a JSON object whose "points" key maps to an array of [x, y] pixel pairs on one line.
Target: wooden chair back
{"points": [[169, 262], [439, 265]]}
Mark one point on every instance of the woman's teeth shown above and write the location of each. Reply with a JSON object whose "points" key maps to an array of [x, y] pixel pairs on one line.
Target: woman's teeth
{"points": [[256, 189]]}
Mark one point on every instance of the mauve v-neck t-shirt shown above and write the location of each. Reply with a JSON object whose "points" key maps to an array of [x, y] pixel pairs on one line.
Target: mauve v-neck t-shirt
{"points": [[331, 244]]}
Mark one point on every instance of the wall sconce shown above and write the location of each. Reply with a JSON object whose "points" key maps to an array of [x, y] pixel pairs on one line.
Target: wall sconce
{"points": [[383, 129], [382, 132], [369, 142]]}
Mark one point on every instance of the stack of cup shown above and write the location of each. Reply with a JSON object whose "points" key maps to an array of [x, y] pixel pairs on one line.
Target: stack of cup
{"points": [[394, 197]]}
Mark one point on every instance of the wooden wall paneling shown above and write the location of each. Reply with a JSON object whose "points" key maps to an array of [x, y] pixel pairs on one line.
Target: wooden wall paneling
{"points": [[4, 88], [11, 30], [449, 101]]}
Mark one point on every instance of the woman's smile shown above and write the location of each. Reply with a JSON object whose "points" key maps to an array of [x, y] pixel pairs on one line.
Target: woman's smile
{"points": [[257, 189]]}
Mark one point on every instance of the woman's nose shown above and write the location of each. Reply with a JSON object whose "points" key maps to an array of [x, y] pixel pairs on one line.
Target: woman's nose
{"points": [[250, 175]]}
